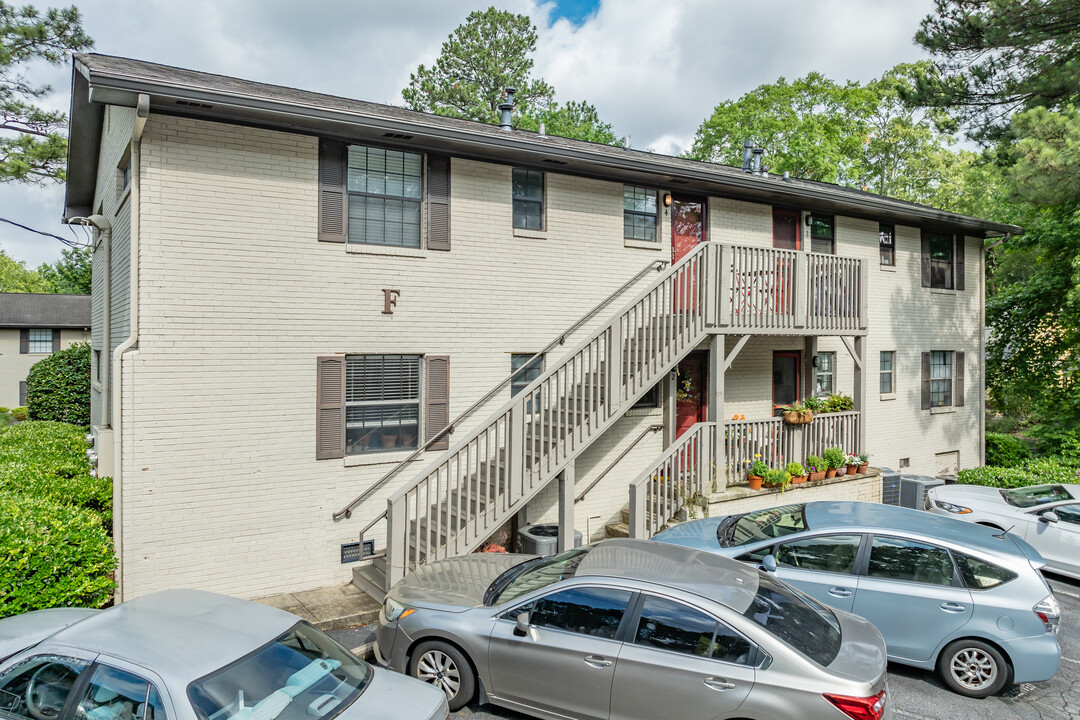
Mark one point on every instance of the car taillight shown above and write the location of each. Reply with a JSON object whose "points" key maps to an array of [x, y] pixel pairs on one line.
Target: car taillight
{"points": [[1050, 614], [859, 708]]}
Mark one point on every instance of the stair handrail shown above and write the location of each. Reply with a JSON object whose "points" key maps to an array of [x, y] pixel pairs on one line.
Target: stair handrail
{"points": [[559, 340], [655, 427], [691, 256], [639, 487]]}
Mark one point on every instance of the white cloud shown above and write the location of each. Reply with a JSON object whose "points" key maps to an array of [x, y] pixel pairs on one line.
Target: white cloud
{"points": [[654, 70]]}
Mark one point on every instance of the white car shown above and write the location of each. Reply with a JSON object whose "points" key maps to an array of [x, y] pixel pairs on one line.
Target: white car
{"points": [[1047, 516]]}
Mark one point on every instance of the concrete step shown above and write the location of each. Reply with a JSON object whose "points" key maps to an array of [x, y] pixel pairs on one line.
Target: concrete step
{"points": [[617, 530], [372, 580]]}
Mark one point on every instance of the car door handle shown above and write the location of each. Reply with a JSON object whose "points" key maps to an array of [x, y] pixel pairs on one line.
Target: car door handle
{"points": [[951, 607], [719, 684], [840, 592], [596, 661]]}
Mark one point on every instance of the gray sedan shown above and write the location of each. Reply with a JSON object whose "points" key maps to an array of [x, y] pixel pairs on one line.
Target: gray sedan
{"points": [[964, 599], [187, 655], [627, 629]]}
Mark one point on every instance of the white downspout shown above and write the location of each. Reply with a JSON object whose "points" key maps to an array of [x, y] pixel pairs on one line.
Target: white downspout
{"points": [[141, 114]]}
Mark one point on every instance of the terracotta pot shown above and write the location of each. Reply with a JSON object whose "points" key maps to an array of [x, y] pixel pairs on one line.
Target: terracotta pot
{"points": [[796, 479], [831, 472], [815, 476], [852, 469], [863, 468], [389, 441], [755, 481]]}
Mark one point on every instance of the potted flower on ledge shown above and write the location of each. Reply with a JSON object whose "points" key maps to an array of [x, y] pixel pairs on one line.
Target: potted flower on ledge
{"points": [[864, 463], [797, 472], [798, 414], [758, 471], [834, 459], [852, 462], [777, 479], [816, 467]]}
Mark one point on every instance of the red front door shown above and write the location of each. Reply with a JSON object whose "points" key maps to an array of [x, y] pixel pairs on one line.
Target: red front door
{"points": [[690, 395], [687, 230]]}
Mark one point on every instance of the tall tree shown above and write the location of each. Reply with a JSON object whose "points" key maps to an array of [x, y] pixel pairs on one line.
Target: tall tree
{"points": [[16, 277], [71, 274], [489, 52], [999, 56], [576, 119], [32, 145], [811, 127]]}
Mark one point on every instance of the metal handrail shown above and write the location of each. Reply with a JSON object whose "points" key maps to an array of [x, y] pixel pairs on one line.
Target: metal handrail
{"points": [[346, 511], [655, 427]]}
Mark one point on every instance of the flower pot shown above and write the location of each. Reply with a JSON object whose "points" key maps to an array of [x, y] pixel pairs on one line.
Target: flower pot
{"points": [[815, 476], [389, 441], [796, 479], [863, 468], [830, 473], [852, 469], [800, 417], [755, 481]]}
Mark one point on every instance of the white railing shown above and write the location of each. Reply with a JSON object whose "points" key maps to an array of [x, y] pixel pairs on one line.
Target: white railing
{"points": [[683, 477], [776, 443], [837, 293], [832, 430], [762, 287]]}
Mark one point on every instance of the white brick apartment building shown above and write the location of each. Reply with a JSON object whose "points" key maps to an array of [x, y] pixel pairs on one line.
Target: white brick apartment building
{"points": [[32, 327], [295, 292]]}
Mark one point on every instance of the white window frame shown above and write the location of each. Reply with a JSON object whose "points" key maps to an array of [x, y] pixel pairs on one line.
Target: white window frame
{"points": [[830, 373], [890, 373], [378, 439], [43, 339], [942, 380]]}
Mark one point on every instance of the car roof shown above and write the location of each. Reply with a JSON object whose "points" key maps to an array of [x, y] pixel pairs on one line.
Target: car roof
{"points": [[181, 635], [873, 517], [718, 578], [19, 632]]}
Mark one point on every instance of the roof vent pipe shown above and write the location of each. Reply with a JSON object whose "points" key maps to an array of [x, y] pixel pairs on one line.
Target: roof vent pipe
{"points": [[506, 109], [746, 154], [756, 161]]}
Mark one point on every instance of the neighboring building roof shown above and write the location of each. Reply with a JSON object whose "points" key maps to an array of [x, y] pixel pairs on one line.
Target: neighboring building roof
{"points": [[102, 79], [44, 310]]}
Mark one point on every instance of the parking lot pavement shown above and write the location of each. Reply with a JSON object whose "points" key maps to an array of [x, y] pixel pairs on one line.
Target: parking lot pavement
{"points": [[919, 695]]}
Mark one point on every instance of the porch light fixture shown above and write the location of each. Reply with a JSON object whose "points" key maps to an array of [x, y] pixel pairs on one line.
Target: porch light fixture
{"points": [[813, 361], [667, 199]]}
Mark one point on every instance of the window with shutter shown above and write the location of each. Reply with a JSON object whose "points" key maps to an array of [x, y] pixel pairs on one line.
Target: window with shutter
{"points": [[438, 219], [331, 191], [330, 407], [385, 189], [437, 412], [41, 341], [958, 369], [382, 403], [938, 260], [958, 263], [941, 378]]}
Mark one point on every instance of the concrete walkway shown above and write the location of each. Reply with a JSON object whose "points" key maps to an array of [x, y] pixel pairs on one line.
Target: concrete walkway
{"points": [[331, 608]]}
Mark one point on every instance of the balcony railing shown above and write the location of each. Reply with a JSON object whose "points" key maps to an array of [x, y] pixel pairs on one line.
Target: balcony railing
{"points": [[777, 443]]}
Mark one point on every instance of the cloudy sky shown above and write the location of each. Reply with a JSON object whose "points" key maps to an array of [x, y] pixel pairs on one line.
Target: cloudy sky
{"points": [[654, 70]]}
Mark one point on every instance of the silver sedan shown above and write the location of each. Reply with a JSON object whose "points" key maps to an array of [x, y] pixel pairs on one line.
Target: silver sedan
{"points": [[627, 629]]}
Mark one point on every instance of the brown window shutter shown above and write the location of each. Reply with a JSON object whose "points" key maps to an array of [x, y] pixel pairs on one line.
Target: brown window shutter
{"points": [[330, 408], [24, 341], [22, 393], [925, 259], [438, 187], [56, 341], [958, 370], [437, 401], [333, 170], [958, 262], [926, 381]]}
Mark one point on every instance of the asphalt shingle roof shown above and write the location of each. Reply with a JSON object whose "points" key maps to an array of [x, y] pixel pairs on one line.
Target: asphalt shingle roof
{"points": [[44, 310]]}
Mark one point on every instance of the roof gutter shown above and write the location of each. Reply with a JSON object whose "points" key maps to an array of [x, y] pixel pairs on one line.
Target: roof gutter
{"points": [[121, 89]]}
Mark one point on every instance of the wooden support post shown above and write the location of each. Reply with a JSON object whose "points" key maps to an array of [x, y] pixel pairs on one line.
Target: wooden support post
{"points": [[726, 259], [637, 511], [799, 287], [515, 451], [809, 371], [566, 507], [718, 364], [860, 389], [864, 296], [397, 542]]}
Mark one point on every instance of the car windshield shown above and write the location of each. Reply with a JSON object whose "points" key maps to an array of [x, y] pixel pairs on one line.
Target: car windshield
{"points": [[541, 574], [1026, 497], [763, 525], [302, 675], [796, 619]]}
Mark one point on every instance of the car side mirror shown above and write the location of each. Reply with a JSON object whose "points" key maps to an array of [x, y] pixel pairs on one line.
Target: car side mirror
{"points": [[1049, 517], [768, 564], [522, 628]]}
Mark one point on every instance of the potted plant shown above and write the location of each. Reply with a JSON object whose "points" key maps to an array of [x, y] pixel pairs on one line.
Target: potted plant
{"points": [[814, 404], [834, 460], [864, 463], [852, 462], [816, 467], [797, 414], [758, 471], [389, 440], [777, 478], [797, 472]]}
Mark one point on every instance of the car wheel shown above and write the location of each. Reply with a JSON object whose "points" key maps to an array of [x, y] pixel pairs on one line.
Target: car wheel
{"points": [[443, 666], [973, 668]]}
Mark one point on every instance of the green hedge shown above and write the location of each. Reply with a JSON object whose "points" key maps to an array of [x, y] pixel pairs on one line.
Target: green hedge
{"points": [[58, 387], [52, 555], [48, 460], [1031, 472], [1005, 450]]}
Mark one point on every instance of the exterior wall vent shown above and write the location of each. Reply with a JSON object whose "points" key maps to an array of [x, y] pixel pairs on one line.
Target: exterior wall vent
{"points": [[350, 552], [555, 162], [188, 103], [398, 136]]}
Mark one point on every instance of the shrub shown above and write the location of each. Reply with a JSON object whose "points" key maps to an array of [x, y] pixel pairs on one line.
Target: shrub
{"points": [[1005, 450], [834, 457], [794, 469], [817, 464], [48, 460], [58, 387], [19, 414], [777, 478], [1002, 424], [54, 555], [1031, 472], [839, 402]]}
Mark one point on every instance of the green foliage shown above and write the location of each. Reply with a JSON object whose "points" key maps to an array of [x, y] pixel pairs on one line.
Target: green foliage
{"points": [[794, 469], [759, 468], [71, 274], [816, 464], [19, 413], [33, 148], [777, 478], [16, 277], [577, 120], [1032, 472], [47, 460], [834, 457], [1005, 450], [489, 52], [53, 555], [58, 387], [838, 402], [1002, 424], [998, 57]]}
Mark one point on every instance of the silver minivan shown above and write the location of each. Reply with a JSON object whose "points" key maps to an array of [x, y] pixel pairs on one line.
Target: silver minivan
{"points": [[628, 630]]}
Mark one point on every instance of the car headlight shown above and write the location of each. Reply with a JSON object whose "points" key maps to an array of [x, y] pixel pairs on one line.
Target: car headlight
{"points": [[396, 611], [949, 507]]}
